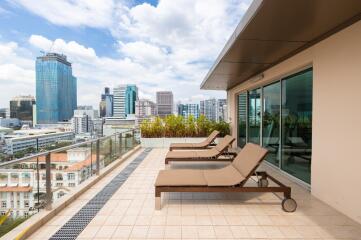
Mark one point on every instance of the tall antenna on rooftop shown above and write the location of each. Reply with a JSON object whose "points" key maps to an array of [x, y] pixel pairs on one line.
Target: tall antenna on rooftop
{"points": [[49, 51]]}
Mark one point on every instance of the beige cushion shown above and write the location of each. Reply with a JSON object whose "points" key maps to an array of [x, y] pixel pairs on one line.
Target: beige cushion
{"points": [[181, 154], [182, 145], [180, 177], [248, 158], [224, 143], [202, 144], [226, 176], [207, 153]]}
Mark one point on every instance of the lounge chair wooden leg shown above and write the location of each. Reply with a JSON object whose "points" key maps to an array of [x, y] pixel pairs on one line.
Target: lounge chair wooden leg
{"points": [[158, 201]]}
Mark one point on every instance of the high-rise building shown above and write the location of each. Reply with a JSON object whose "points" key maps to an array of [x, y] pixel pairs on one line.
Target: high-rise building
{"points": [[209, 109], [56, 89], [131, 96], [164, 103], [214, 109], [187, 110], [201, 108], [145, 109], [82, 121], [221, 112], [102, 108], [21, 107], [106, 103], [119, 101], [124, 100]]}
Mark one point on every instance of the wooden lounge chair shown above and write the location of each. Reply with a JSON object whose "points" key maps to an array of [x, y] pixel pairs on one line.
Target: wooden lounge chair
{"points": [[201, 145], [231, 178], [203, 155]]}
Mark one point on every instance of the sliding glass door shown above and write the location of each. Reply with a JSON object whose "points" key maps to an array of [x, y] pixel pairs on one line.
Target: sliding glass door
{"points": [[271, 122], [242, 119], [254, 115], [278, 116], [297, 125]]}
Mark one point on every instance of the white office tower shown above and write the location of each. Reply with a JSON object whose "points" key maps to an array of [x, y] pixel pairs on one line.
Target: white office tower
{"points": [[144, 109], [119, 101], [221, 113], [164, 103], [82, 122]]}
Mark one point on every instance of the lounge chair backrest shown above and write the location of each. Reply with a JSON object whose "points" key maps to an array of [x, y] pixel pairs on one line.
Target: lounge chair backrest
{"points": [[224, 143], [212, 136], [249, 158]]}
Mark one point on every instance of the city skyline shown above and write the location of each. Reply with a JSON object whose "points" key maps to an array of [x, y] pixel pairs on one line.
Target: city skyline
{"points": [[112, 52]]}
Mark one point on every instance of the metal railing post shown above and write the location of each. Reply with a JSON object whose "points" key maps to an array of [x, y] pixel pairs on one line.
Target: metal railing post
{"points": [[126, 141], [110, 148], [97, 158], [120, 144], [133, 137], [115, 144], [49, 194]]}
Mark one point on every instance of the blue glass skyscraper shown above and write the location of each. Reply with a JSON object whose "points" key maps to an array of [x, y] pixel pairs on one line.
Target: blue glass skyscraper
{"points": [[56, 89], [131, 95]]}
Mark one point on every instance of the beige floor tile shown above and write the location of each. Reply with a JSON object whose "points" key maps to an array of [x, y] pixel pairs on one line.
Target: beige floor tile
{"points": [[189, 232], [223, 232], [122, 232], [130, 213], [105, 232], [156, 232], [206, 232], [239, 232], [89, 232], [172, 232], [139, 232], [256, 232]]}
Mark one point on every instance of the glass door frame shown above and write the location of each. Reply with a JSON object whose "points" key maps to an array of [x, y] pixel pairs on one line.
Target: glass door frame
{"points": [[237, 114], [279, 79]]}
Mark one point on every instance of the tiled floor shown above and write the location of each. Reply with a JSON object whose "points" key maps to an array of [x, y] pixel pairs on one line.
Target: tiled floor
{"points": [[130, 213]]}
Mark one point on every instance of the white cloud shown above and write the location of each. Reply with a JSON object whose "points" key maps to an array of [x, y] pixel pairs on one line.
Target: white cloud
{"points": [[165, 47], [16, 72], [93, 13]]}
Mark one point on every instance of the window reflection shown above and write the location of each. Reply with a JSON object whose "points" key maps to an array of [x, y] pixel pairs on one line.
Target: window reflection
{"points": [[271, 120], [297, 125], [254, 115]]}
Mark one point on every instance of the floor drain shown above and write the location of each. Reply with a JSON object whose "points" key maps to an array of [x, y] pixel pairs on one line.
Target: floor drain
{"points": [[75, 225]]}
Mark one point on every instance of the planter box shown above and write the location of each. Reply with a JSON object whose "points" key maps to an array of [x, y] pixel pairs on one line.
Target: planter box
{"points": [[165, 142]]}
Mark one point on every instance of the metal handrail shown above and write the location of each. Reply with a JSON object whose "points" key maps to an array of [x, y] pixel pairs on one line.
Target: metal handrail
{"points": [[27, 158]]}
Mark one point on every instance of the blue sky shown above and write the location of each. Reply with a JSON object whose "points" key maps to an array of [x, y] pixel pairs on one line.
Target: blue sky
{"points": [[158, 45]]}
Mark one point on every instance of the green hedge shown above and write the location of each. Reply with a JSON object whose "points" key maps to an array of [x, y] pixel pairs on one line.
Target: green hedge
{"points": [[178, 126]]}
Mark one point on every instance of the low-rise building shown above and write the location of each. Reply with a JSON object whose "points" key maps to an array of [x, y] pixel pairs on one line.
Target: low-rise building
{"points": [[19, 186], [19, 142], [10, 122]]}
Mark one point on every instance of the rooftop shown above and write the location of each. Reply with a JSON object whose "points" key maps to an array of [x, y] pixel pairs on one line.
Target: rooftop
{"points": [[130, 212]]}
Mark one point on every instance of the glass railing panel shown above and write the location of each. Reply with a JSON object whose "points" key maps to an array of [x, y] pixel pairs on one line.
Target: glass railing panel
{"points": [[34, 183]]}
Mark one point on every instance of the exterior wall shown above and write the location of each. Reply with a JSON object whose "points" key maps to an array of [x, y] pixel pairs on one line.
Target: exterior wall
{"points": [[336, 120]]}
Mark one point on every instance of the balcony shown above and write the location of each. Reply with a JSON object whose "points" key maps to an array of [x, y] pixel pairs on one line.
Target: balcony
{"points": [[33, 188], [121, 206]]}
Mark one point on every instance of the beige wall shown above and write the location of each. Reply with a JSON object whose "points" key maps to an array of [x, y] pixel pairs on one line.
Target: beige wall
{"points": [[336, 147]]}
